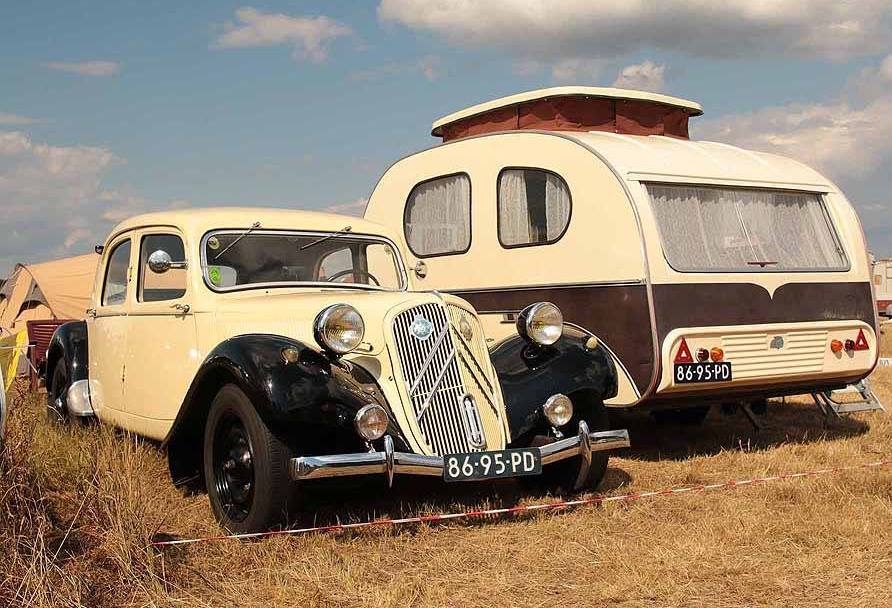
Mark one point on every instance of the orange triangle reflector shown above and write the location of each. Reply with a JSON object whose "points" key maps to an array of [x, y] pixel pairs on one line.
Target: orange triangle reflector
{"points": [[861, 341], [684, 353]]}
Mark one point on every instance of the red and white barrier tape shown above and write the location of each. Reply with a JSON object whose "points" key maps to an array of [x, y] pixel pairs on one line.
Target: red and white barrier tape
{"points": [[554, 506]]}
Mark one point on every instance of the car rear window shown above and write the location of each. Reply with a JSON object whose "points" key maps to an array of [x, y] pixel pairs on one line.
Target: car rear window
{"points": [[745, 230]]}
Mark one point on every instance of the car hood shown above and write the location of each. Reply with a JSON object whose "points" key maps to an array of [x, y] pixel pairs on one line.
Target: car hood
{"points": [[292, 313]]}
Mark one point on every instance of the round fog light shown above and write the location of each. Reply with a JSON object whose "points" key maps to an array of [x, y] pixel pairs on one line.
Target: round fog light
{"points": [[558, 409], [371, 422]]}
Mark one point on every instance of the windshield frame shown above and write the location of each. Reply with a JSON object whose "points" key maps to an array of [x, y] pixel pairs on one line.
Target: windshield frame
{"points": [[334, 234], [821, 195]]}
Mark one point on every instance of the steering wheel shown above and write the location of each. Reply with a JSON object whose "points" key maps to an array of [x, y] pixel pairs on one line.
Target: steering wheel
{"points": [[354, 271]]}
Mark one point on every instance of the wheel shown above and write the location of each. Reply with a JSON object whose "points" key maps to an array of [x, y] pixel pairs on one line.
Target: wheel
{"points": [[688, 416], [245, 466], [562, 476], [57, 396]]}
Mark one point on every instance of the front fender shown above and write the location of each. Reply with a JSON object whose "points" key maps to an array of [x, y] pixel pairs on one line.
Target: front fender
{"points": [[529, 374], [68, 344], [309, 403]]}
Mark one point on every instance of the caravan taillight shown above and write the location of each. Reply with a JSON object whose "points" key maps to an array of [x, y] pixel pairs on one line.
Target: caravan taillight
{"points": [[835, 346], [716, 353], [702, 355], [849, 345], [684, 353], [861, 341]]}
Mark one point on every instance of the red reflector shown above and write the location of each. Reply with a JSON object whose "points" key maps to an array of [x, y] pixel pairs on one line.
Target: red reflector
{"points": [[861, 341], [702, 355], [836, 346], [684, 353]]}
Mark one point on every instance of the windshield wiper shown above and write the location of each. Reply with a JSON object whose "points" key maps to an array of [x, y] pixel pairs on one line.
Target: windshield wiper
{"points": [[253, 227], [340, 232]]}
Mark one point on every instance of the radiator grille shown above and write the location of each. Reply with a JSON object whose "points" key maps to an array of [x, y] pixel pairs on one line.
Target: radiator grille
{"points": [[436, 384], [752, 356]]}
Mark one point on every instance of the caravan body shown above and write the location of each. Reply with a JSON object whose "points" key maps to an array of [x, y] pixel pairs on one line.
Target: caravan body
{"points": [[671, 252]]}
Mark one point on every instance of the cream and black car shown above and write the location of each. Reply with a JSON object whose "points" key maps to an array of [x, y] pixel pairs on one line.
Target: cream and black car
{"points": [[267, 349]]}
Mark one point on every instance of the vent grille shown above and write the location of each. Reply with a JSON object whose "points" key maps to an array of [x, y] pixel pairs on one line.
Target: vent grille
{"points": [[430, 369], [752, 356]]}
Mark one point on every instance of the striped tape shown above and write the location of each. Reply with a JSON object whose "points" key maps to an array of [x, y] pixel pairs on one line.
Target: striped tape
{"points": [[552, 506]]}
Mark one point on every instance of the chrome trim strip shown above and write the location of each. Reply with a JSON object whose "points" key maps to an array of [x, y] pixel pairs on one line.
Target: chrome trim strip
{"points": [[427, 362], [437, 382], [546, 286]]}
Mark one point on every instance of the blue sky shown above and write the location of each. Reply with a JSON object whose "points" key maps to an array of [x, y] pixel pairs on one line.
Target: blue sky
{"points": [[112, 108]]}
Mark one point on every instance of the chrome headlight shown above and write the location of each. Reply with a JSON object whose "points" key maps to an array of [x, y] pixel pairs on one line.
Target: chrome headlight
{"points": [[371, 422], [541, 323], [339, 328], [558, 410]]}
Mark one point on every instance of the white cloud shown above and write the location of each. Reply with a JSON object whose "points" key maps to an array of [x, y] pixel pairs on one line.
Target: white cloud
{"points": [[575, 70], [86, 68], [646, 76], [357, 207], [309, 36], [54, 202], [429, 66], [578, 29], [16, 120]]}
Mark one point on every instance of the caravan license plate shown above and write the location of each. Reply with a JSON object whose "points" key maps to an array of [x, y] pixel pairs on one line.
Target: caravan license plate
{"points": [[690, 373], [492, 465]]}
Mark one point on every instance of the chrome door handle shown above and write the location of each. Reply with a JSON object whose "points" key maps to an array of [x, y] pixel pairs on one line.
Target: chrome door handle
{"points": [[91, 312], [420, 269], [181, 308]]}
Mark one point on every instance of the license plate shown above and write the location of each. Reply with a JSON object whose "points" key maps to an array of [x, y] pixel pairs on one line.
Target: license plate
{"points": [[492, 465], [689, 373]]}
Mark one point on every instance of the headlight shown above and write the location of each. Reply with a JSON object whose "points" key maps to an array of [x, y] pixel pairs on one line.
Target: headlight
{"points": [[339, 328], [558, 409], [541, 323], [371, 422]]}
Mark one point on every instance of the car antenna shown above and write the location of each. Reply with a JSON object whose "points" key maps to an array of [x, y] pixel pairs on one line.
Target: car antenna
{"points": [[253, 227], [343, 230]]}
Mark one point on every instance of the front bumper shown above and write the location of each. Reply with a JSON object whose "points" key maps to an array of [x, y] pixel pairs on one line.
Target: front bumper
{"points": [[389, 462]]}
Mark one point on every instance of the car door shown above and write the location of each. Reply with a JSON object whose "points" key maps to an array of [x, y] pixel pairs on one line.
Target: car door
{"points": [[162, 355], [108, 330]]}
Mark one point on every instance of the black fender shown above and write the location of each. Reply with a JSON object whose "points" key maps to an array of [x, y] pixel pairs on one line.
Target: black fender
{"points": [[69, 345], [529, 374], [309, 403]]}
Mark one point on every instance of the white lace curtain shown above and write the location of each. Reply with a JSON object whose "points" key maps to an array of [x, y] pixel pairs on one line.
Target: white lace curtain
{"points": [[518, 225], [719, 228], [438, 218]]}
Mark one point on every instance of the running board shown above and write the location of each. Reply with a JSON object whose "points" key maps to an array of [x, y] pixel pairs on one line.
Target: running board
{"points": [[833, 408]]}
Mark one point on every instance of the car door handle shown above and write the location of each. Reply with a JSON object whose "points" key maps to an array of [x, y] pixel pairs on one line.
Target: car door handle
{"points": [[181, 308], [91, 312]]}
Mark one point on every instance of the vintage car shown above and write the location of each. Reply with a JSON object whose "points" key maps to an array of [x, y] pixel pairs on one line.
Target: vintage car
{"points": [[270, 348], [711, 273]]}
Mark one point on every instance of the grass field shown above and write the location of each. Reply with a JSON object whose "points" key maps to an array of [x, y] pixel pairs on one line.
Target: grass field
{"points": [[78, 507]]}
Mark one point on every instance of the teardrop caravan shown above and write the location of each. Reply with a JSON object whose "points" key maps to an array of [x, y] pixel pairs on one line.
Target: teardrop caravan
{"points": [[710, 272]]}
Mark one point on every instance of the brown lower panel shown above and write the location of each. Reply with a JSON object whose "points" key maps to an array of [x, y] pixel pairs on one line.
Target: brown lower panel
{"points": [[617, 314]]}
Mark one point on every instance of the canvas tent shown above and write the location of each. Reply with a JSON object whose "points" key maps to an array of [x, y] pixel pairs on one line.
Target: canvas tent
{"points": [[59, 289]]}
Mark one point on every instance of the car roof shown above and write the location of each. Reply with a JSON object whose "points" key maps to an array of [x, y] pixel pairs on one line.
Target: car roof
{"points": [[197, 221]]}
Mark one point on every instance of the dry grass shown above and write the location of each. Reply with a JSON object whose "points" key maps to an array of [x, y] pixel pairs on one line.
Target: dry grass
{"points": [[78, 507]]}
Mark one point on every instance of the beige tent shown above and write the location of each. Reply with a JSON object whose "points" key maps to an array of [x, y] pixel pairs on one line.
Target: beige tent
{"points": [[59, 289]]}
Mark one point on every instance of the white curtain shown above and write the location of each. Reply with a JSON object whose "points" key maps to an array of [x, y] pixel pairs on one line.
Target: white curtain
{"points": [[557, 206], [734, 229], [514, 214], [439, 216]]}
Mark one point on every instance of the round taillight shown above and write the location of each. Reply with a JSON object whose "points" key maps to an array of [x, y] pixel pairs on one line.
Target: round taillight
{"points": [[716, 353], [702, 354], [836, 346], [850, 345]]}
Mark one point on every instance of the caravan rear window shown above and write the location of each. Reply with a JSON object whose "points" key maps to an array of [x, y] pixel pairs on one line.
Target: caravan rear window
{"points": [[745, 230]]}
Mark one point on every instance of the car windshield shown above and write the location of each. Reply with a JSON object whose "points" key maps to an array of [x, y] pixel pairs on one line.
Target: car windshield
{"points": [[236, 259]]}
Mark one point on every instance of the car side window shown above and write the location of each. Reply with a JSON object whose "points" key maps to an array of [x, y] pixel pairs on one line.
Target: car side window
{"points": [[114, 290], [534, 207], [171, 285], [437, 220]]}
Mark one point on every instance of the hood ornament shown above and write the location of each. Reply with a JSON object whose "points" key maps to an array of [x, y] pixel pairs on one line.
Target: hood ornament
{"points": [[421, 328]]}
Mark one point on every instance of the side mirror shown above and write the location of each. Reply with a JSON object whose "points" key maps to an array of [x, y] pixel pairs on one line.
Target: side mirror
{"points": [[160, 262], [420, 269]]}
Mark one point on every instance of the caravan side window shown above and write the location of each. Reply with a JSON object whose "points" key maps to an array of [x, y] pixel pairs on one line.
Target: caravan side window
{"points": [[534, 207], [437, 220]]}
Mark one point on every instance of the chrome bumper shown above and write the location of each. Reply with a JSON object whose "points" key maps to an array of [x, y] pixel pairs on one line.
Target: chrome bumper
{"points": [[389, 462]]}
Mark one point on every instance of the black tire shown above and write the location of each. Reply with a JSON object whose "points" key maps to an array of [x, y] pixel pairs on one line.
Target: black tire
{"points": [[561, 477], [57, 395], [252, 493], [688, 416]]}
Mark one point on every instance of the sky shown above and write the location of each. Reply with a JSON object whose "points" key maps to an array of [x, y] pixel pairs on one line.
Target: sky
{"points": [[108, 109]]}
